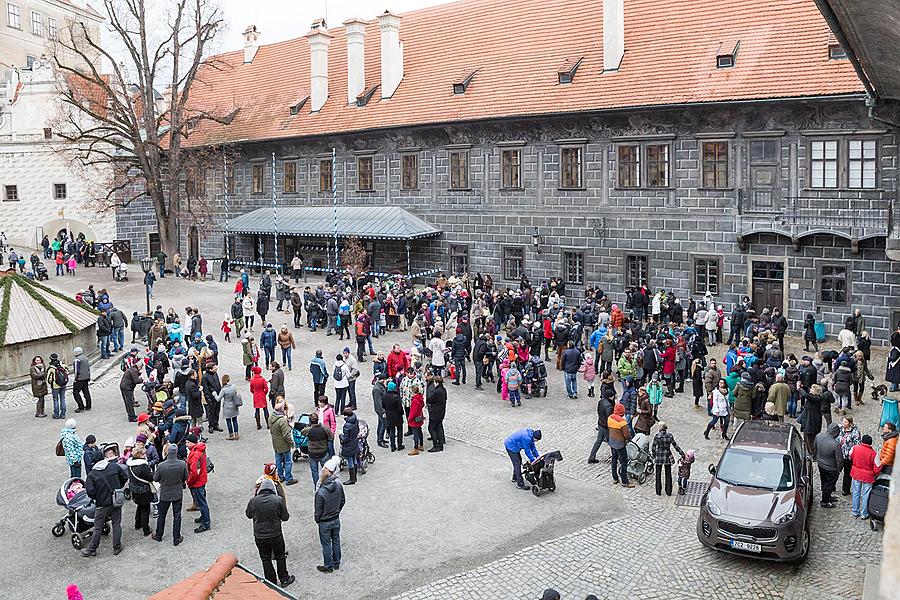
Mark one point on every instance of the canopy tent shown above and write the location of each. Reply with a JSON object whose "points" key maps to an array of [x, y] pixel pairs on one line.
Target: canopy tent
{"points": [[363, 222]]}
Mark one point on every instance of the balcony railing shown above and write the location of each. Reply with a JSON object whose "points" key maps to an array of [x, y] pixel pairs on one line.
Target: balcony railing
{"points": [[854, 218]]}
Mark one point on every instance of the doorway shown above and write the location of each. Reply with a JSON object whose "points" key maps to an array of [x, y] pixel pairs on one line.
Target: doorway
{"points": [[767, 287], [193, 242], [153, 244]]}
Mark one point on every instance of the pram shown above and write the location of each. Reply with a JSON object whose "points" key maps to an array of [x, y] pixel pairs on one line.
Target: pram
{"points": [[535, 379], [121, 272], [80, 516], [540, 473], [640, 464], [301, 443], [364, 454], [40, 272], [878, 500]]}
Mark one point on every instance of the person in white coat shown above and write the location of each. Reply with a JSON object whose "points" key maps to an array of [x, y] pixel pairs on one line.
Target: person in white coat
{"points": [[340, 376], [719, 409], [438, 360], [656, 306]]}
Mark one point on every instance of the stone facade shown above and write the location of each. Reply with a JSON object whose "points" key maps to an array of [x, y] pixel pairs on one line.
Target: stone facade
{"points": [[763, 213]]}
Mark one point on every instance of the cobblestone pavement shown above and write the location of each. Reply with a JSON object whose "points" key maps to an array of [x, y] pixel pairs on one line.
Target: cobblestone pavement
{"points": [[410, 534]]}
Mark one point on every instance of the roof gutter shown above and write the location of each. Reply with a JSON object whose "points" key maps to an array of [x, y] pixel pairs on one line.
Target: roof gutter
{"points": [[838, 30]]}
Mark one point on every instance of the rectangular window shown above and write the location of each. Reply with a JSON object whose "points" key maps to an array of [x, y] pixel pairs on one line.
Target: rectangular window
{"points": [[459, 170], [29, 60], [195, 183], [365, 176], [511, 169], [459, 259], [636, 270], [823, 164], [257, 178], [52, 31], [59, 191], [862, 164], [10, 193], [570, 168], [13, 16], [326, 175], [409, 166], [715, 165], [629, 166], [229, 179], [833, 284], [706, 276], [764, 152], [290, 177], [37, 24], [573, 267], [513, 263], [658, 166], [48, 133]]}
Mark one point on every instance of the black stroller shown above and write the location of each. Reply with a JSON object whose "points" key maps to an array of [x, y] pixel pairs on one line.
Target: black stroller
{"points": [[79, 519], [535, 378], [40, 272], [540, 473], [878, 500]]}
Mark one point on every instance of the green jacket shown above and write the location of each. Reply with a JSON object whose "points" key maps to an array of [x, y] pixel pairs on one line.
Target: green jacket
{"points": [[282, 440], [732, 380], [779, 394], [626, 367], [743, 401]]}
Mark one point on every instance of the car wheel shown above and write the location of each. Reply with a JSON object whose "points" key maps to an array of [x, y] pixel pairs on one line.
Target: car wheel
{"points": [[804, 548]]}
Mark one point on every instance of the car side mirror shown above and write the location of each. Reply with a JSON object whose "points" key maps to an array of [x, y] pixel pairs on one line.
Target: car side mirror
{"points": [[712, 469]]}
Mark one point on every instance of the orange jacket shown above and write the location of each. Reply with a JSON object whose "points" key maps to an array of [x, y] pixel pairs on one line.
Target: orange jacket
{"points": [[888, 449]]}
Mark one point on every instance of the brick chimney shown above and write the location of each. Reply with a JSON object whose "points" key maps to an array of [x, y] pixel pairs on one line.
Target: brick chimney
{"points": [[613, 34], [251, 43], [319, 39], [391, 53], [356, 58]]}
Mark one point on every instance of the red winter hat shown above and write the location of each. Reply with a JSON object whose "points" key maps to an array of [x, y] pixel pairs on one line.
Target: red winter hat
{"points": [[256, 370], [143, 417]]}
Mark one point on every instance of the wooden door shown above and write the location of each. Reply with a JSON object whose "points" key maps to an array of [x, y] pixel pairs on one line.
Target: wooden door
{"points": [[768, 286]]}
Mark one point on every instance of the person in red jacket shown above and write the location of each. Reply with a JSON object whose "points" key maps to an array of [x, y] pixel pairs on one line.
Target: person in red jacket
{"points": [[196, 481], [548, 335], [259, 387], [397, 361], [415, 419], [616, 317], [863, 472], [668, 358]]}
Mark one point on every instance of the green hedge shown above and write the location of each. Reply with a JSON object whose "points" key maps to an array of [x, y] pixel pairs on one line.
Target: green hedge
{"points": [[6, 291]]}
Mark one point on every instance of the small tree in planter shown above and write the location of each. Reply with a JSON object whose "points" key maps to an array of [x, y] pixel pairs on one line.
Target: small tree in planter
{"points": [[354, 259]]}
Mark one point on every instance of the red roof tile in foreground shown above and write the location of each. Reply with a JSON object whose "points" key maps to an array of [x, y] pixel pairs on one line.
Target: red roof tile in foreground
{"points": [[670, 58], [222, 581]]}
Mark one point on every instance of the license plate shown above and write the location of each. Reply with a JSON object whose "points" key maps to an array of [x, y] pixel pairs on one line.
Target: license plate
{"points": [[746, 546]]}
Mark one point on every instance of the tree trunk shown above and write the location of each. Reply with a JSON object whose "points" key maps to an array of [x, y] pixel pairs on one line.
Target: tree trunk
{"points": [[168, 235]]}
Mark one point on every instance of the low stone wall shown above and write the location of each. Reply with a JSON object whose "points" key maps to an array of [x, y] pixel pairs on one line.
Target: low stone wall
{"points": [[15, 359]]}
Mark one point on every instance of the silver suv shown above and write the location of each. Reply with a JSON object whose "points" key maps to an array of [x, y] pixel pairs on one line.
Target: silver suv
{"points": [[758, 501]]}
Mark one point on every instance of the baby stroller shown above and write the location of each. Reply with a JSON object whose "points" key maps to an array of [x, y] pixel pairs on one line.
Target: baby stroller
{"points": [[364, 454], [301, 443], [121, 272], [640, 464], [40, 272], [878, 500], [535, 379], [540, 473], [79, 518]]}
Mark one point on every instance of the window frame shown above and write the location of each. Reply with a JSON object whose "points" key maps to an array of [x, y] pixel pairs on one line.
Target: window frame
{"points": [[695, 260], [462, 157], [52, 29], [666, 164], [409, 182], [326, 173], [811, 182], [705, 165], [13, 13], [582, 257], [260, 169], [370, 173], [289, 184], [633, 166], [639, 255], [455, 253], [11, 187], [511, 169], [820, 278], [862, 161], [230, 180], [37, 25], [504, 258], [56, 189], [580, 149]]}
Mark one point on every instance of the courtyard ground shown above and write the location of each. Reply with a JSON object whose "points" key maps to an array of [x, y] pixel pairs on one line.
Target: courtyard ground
{"points": [[444, 525]]}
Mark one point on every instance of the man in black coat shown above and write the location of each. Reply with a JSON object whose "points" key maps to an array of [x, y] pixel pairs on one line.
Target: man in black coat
{"points": [[393, 416], [780, 326], [436, 401], [478, 354], [211, 388], [738, 319], [268, 510], [106, 476], [605, 405], [171, 475], [104, 330], [130, 380], [460, 350]]}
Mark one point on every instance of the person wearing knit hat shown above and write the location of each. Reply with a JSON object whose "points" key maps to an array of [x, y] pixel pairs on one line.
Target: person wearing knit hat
{"points": [[329, 500], [172, 475], [518, 442], [268, 510]]}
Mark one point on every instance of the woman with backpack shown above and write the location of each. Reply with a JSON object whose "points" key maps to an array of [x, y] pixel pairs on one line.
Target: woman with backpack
{"points": [[57, 380]]}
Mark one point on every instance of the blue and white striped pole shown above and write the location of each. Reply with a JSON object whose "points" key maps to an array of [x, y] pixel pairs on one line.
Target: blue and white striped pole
{"points": [[337, 260], [225, 196], [275, 215]]}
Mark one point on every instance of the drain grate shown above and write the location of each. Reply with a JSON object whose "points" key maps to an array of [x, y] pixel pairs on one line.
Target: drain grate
{"points": [[693, 494]]}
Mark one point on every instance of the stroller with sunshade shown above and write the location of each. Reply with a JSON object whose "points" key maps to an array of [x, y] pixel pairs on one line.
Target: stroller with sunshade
{"points": [[540, 473], [79, 518], [640, 463]]}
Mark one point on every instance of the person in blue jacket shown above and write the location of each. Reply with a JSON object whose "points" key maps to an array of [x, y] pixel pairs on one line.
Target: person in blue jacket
{"points": [[522, 440]]}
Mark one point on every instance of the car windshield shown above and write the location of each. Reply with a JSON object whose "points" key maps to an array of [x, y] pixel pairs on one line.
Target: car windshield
{"points": [[765, 470]]}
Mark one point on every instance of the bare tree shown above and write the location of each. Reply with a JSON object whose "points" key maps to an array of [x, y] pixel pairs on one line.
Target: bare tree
{"points": [[354, 259], [121, 124]]}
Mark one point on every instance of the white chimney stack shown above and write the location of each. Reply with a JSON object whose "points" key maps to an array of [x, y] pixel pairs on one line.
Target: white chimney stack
{"points": [[251, 43], [613, 34], [356, 58], [391, 53], [319, 40]]}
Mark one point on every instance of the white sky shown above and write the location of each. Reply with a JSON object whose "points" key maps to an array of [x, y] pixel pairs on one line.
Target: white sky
{"points": [[279, 20]]}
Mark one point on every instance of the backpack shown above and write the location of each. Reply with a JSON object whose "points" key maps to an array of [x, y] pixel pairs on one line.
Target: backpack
{"points": [[338, 373], [61, 377]]}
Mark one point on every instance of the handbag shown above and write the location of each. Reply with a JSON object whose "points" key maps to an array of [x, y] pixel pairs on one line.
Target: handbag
{"points": [[419, 419], [60, 451], [118, 497], [152, 484]]}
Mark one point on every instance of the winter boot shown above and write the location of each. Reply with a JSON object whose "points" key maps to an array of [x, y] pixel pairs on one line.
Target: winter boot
{"points": [[414, 451], [352, 479], [39, 408], [258, 426]]}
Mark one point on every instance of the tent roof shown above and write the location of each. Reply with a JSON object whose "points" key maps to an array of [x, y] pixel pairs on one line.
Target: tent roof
{"points": [[30, 319], [364, 222]]}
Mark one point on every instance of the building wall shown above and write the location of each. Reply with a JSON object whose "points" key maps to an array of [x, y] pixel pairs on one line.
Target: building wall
{"points": [[671, 226]]}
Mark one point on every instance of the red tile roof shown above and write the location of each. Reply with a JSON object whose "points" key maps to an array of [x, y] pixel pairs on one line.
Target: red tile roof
{"points": [[519, 45], [224, 580]]}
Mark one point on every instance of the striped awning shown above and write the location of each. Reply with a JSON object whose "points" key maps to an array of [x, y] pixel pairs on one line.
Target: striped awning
{"points": [[363, 222]]}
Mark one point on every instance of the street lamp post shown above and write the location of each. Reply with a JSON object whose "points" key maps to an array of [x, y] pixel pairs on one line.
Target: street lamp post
{"points": [[146, 266]]}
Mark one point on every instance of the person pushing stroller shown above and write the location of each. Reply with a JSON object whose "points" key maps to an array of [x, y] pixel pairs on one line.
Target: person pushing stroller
{"points": [[515, 444]]}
